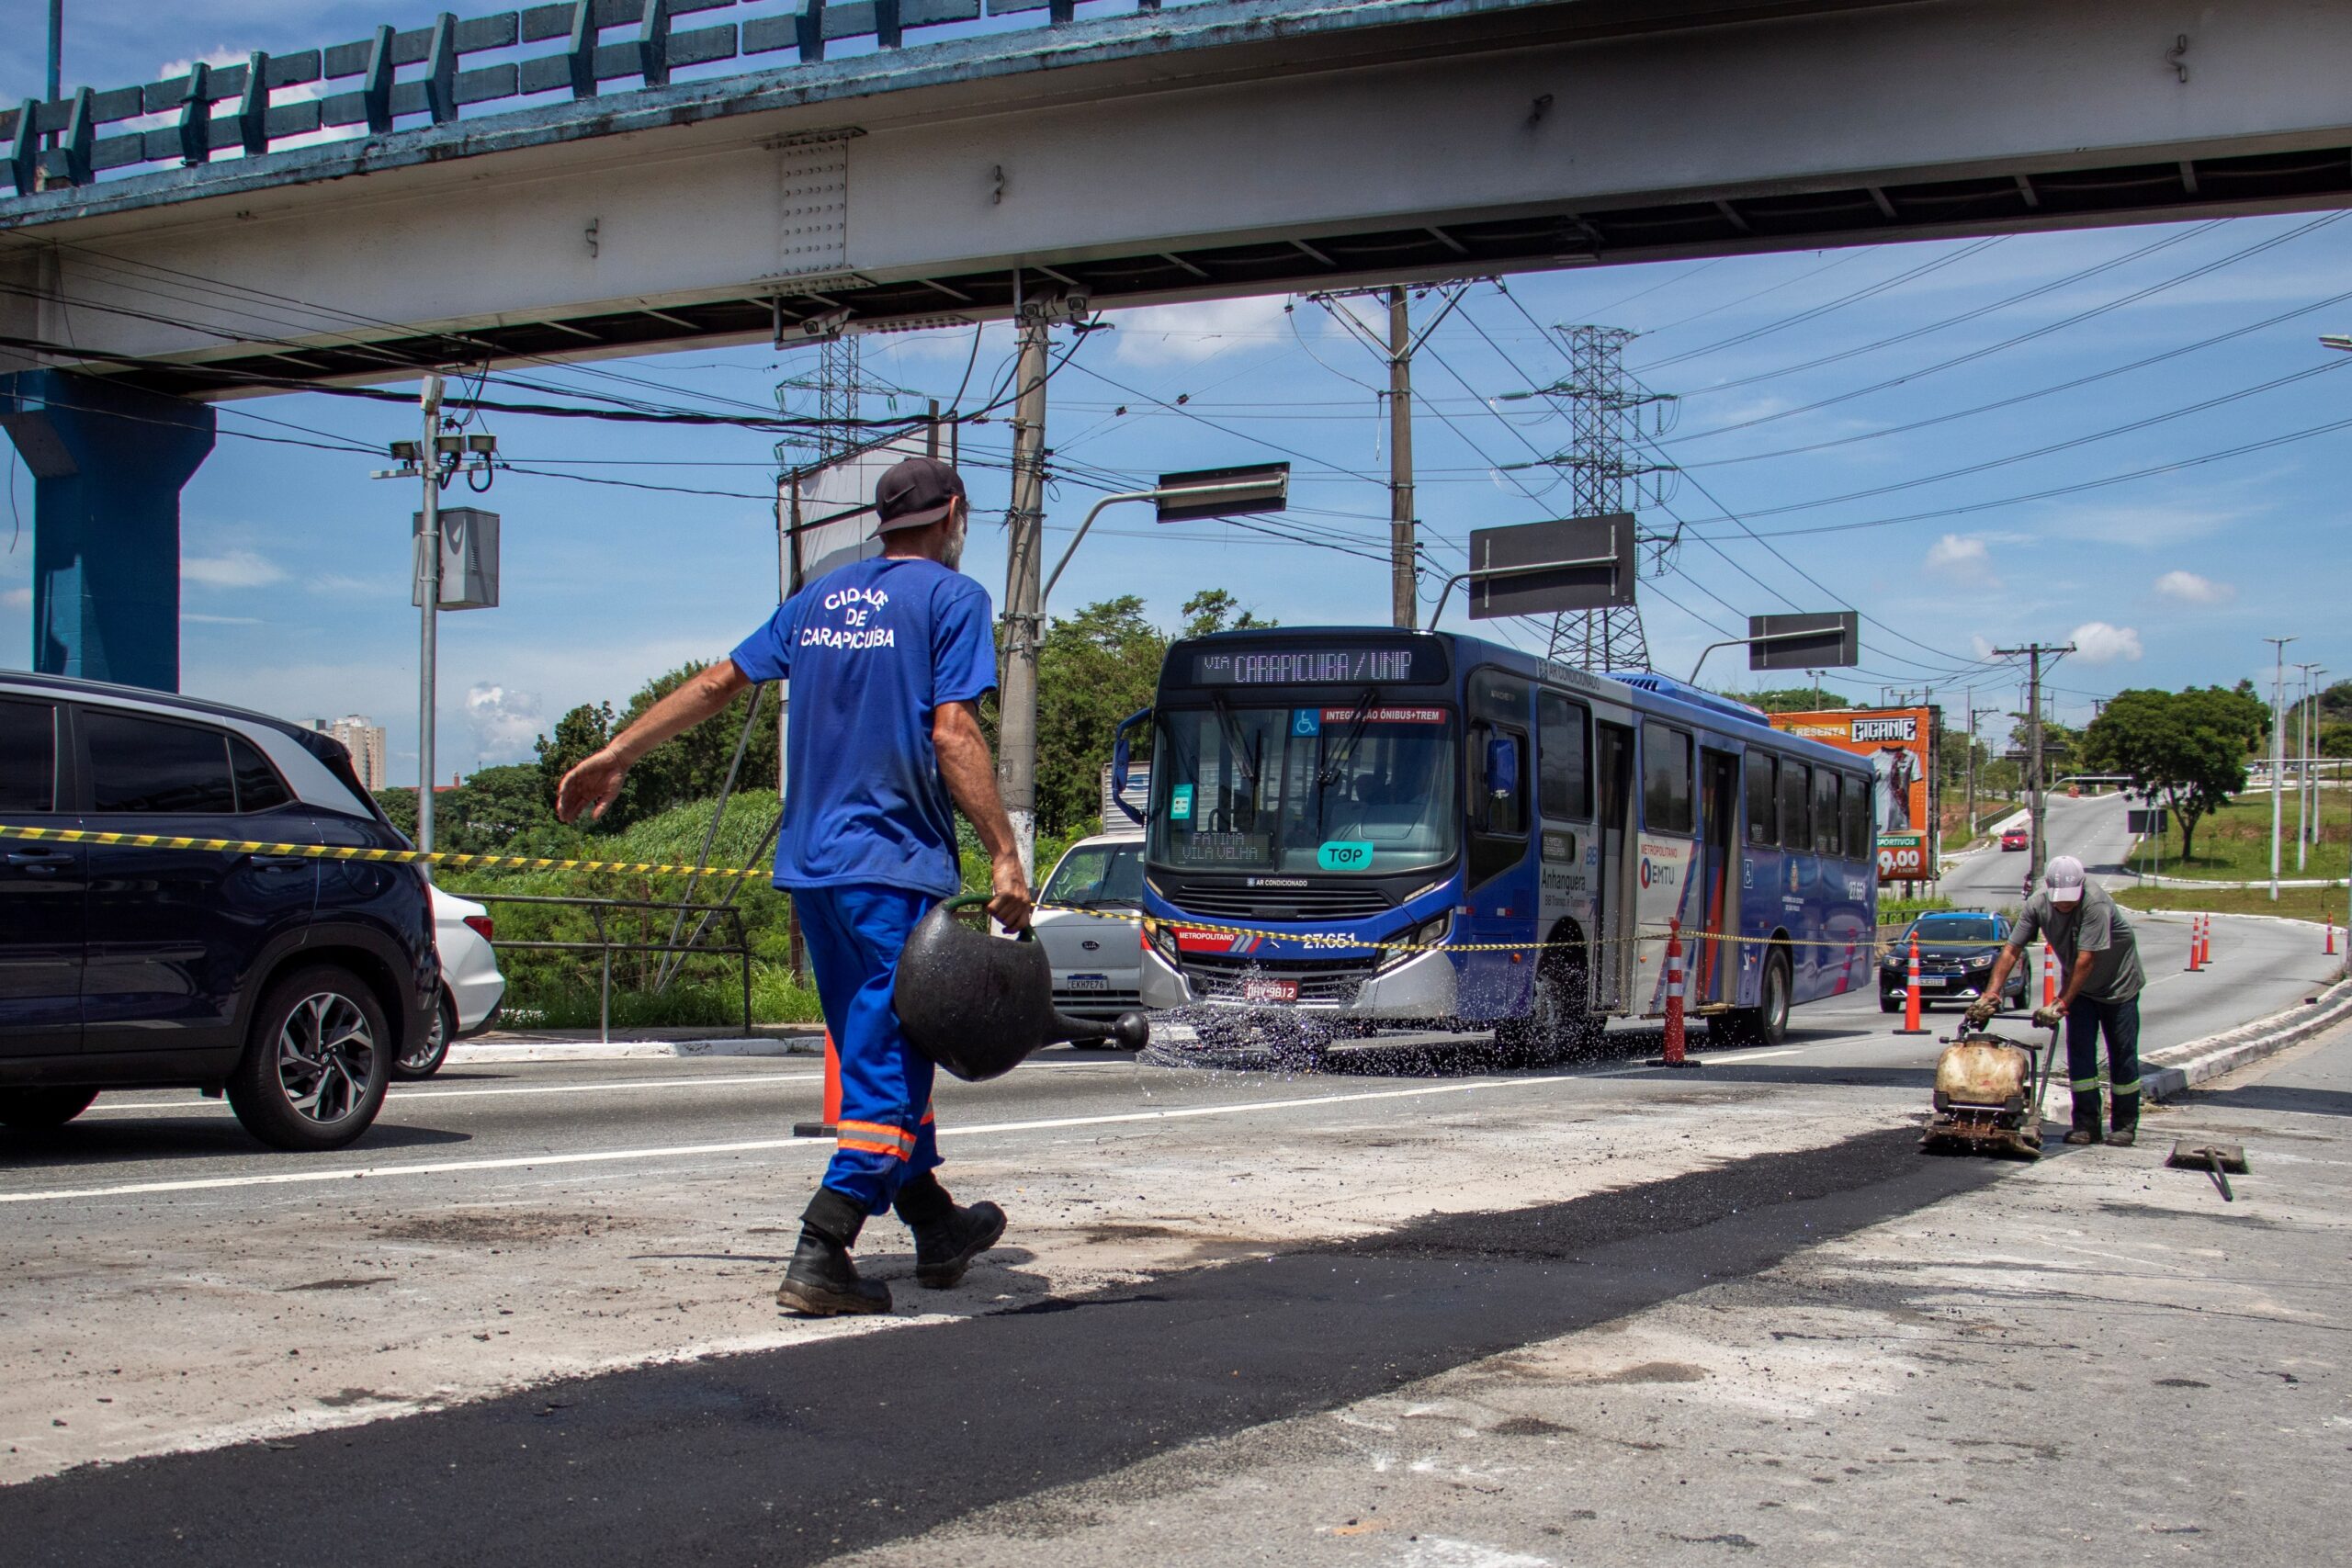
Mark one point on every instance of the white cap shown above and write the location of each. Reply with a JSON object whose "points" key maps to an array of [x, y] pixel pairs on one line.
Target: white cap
{"points": [[2064, 879]]}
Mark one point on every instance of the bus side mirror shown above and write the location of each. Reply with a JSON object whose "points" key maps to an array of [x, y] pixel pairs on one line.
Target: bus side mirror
{"points": [[1120, 746]]}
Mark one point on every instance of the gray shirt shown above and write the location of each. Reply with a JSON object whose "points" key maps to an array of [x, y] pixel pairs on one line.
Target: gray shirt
{"points": [[2097, 925]]}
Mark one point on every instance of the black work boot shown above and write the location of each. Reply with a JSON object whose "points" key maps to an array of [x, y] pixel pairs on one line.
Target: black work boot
{"points": [[947, 1235], [2087, 1120], [2126, 1126], [821, 1281]]}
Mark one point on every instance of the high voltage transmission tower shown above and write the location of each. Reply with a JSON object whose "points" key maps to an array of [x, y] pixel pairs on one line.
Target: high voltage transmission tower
{"points": [[1610, 416], [837, 389]]}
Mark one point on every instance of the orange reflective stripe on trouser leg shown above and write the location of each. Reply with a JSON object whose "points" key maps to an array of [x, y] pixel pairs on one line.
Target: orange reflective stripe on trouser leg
{"points": [[876, 1138]]}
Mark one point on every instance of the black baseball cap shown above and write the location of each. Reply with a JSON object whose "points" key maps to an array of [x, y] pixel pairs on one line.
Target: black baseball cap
{"points": [[915, 493]]}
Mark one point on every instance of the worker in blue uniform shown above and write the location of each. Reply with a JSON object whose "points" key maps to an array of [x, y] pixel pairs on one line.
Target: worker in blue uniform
{"points": [[887, 659]]}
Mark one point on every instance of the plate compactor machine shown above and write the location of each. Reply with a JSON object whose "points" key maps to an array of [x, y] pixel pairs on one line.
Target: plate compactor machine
{"points": [[1988, 1096]]}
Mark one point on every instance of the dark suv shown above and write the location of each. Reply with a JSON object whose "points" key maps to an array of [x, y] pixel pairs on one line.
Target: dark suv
{"points": [[289, 982]]}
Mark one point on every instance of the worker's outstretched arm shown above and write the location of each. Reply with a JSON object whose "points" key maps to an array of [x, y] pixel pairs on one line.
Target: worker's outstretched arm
{"points": [[596, 782], [2077, 980], [970, 773]]}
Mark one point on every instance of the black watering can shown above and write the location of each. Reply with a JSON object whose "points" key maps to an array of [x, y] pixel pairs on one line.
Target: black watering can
{"points": [[977, 1004]]}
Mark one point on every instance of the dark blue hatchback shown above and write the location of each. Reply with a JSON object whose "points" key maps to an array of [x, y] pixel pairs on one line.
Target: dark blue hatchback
{"points": [[287, 982]]}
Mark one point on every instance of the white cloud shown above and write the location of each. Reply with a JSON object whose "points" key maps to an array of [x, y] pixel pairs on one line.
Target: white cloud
{"points": [[17, 599], [220, 620], [343, 582], [2096, 642], [236, 569], [1187, 334], [504, 722], [2192, 589], [1963, 558], [1980, 645]]}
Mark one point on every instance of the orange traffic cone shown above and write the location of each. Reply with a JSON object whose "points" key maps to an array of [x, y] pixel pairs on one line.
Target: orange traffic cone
{"points": [[1911, 1024], [2049, 977], [2196, 944], [830, 1125], [1676, 1037], [2330, 936]]}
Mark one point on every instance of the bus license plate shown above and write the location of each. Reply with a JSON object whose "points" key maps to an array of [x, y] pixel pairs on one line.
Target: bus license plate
{"points": [[1269, 990], [1087, 983]]}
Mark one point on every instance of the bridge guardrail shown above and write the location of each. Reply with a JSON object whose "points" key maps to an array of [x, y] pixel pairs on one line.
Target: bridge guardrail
{"points": [[435, 89]]}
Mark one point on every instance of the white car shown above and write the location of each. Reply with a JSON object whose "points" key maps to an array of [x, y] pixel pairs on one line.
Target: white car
{"points": [[471, 986], [1097, 963]]}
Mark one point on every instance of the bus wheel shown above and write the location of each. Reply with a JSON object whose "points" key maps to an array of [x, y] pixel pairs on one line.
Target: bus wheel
{"points": [[1556, 1023], [1767, 1023]]}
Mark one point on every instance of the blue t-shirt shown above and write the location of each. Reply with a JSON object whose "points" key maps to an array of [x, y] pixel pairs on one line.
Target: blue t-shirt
{"points": [[871, 649]]}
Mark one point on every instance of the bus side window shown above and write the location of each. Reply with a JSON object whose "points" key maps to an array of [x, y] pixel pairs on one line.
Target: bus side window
{"points": [[1564, 770], [1858, 819], [1825, 812], [1796, 811], [1763, 800], [1666, 780]]}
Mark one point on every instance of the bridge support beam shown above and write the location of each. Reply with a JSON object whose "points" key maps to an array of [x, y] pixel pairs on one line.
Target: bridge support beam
{"points": [[107, 464]]}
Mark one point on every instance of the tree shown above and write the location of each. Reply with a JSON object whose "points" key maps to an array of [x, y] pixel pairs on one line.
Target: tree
{"points": [[1213, 610], [1095, 667], [2186, 750], [1790, 699], [692, 766]]}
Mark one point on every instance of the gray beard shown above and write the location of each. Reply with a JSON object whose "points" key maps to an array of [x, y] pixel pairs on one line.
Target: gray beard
{"points": [[952, 558]]}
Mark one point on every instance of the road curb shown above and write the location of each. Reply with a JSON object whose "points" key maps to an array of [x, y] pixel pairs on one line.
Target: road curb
{"points": [[2182, 1067], [464, 1055]]}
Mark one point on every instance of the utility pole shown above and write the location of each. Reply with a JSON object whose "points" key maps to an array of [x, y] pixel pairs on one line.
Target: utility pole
{"points": [[1817, 689], [1395, 350], [1972, 765], [428, 576], [1023, 591], [2277, 749], [1403, 587], [2034, 653], [2304, 799]]}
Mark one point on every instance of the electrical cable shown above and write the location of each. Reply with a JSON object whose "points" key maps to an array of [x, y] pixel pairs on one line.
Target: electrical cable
{"points": [[2029, 336]]}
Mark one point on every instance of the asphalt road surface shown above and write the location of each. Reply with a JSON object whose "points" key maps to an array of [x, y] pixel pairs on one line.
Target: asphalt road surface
{"points": [[1404, 1310]]}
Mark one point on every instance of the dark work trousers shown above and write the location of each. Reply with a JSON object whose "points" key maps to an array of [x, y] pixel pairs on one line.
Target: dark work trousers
{"points": [[2119, 1022]]}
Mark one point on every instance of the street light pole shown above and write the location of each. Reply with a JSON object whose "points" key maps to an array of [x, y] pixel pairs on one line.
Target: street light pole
{"points": [[428, 566], [2304, 797], [2277, 749]]}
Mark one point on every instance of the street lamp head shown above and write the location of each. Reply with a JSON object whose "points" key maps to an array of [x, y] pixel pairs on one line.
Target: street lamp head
{"points": [[404, 451]]}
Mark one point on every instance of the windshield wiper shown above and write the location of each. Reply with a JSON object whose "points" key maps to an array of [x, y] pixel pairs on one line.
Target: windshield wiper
{"points": [[1346, 749], [1247, 763]]}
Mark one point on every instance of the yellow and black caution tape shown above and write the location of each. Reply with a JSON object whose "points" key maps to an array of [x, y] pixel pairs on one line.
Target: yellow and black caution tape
{"points": [[391, 857], [656, 868]]}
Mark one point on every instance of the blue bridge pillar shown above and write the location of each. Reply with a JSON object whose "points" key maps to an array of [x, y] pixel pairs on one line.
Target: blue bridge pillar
{"points": [[107, 463]]}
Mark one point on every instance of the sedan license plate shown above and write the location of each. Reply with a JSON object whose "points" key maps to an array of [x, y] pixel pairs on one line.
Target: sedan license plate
{"points": [[1269, 990], [1087, 983]]}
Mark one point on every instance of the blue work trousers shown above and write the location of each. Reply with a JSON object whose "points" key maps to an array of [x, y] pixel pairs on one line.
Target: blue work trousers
{"points": [[854, 934]]}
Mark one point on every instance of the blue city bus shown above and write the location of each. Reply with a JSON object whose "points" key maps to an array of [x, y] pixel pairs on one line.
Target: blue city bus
{"points": [[1528, 831]]}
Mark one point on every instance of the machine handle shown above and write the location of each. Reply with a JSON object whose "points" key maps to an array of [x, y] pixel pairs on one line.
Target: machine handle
{"points": [[979, 901]]}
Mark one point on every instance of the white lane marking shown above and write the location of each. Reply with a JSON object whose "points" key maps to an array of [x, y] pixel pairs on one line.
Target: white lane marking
{"points": [[1711, 1058], [412, 1096], [757, 1145]]}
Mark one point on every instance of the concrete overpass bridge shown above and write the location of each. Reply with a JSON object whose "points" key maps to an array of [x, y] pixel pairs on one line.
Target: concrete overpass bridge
{"points": [[603, 177]]}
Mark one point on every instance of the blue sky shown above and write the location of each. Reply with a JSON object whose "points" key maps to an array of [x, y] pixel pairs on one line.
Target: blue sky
{"points": [[1860, 391]]}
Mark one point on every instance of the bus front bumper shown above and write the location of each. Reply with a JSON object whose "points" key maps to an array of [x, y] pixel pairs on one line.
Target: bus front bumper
{"points": [[1423, 986]]}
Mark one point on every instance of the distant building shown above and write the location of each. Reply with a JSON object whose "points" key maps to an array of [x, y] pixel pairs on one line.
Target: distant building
{"points": [[364, 739]]}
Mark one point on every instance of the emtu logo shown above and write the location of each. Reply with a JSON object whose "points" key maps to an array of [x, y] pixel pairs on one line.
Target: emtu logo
{"points": [[1664, 873]]}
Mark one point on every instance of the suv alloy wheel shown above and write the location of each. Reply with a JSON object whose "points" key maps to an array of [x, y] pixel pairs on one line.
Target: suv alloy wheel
{"points": [[316, 1064]]}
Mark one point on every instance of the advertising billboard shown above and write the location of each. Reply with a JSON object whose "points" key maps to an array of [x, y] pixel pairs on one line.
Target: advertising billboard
{"points": [[1900, 745]]}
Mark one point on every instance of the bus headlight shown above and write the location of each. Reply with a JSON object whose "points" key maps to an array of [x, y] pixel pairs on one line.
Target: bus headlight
{"points": [[1163, 941], [1429, 934]]}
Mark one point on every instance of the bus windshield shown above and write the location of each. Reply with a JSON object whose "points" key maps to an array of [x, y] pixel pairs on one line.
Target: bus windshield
{"points": [[1352, 784]]}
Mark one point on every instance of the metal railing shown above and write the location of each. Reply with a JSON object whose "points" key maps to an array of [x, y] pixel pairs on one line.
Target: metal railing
{"points": [[414, 74], [738, 948]]}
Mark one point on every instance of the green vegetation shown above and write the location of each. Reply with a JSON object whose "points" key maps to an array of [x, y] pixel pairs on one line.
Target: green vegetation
{"points": [[1902, 911], [2187, 750], [2233, 843]]}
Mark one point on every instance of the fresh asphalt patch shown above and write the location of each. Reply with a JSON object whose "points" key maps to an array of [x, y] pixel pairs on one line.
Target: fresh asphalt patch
{"points": [[796, 1455]]}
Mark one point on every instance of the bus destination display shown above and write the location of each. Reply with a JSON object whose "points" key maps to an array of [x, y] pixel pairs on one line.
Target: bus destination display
{"points": [[1305, 666]]}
